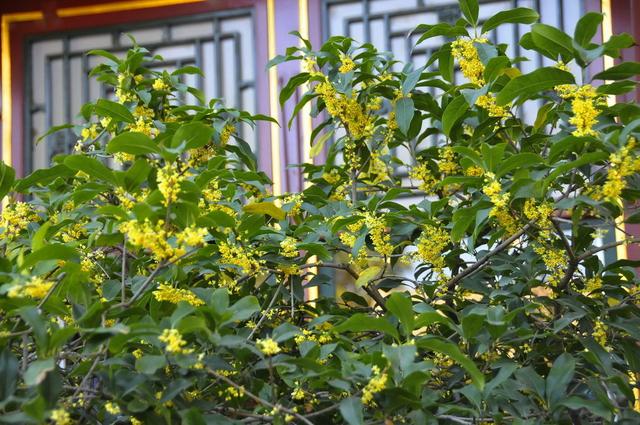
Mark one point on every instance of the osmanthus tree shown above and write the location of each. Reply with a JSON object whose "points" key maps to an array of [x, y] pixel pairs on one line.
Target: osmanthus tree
{"points": [[168, 288]]}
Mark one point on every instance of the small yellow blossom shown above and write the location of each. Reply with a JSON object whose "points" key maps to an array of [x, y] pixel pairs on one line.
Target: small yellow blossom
{"points": [[448, 164], [60, 417], [160, 85], [348, 110], [176, 295], [423, 174], [112, 408], [378, 232], [430, 246], [16, 217], [169, 180], [90, 132], [600, 333], [376, 384], [289, 247], [192, 236], [584, 102], [555, 260], [347, 64], [238, 256], [174, 341], [488, 103], [295, 200], [466, 53], [36, 288], [623, 165], [268, 346]]}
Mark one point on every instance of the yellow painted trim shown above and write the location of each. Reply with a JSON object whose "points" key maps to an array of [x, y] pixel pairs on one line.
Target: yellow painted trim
{"points": [[95, 9], [607, 32], [7, 114], [276, 166]]}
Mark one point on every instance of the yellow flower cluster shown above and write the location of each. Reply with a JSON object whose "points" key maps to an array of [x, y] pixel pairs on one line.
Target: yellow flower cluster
{"points": [[152, 237], [144, 121], [592, 285], [175, 343], [16, 217], [376, 384], [599, 333], [169, 179], [347, 109], [584, 102], [192, 236], [448, 164], [297, 394], [296, 200], [332, 177], [227, 131], [123, 92], [160, 85], [268, 346], [308, 335], [540, 214], [378, 170], [474, 171], [623, 164], [488, 103], [289, 247], [238, 256], [346, 64], [555, 261], [466, 53], [430, 246], [493, 189], [74, 231], [423, 174], [378, 232], [112, 408], [175, 295], [90, 132], [231, 393], [36, 288], [61, 417]]}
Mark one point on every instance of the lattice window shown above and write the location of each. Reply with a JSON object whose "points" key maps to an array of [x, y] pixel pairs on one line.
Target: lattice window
{"points": [[222, 44]]}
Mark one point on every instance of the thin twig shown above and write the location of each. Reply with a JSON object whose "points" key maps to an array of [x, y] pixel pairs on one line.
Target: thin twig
{"points": [[262, 401], [265, 311]]}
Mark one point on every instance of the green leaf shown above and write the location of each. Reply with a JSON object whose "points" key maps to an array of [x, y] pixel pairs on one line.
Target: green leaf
{"points": [[351, 411], [37, 371], [268, 208], [411, 80], [292, 85], [9, 375], [519, 15], [189, 69], [104, 54], [367, 275], [462, 219], [553, 41], [52, 130], [149, 364], [361, 322], [50, 252], [44, 175], [116, 111], [587, 28], [559, 378], [404, 113], [401, 306], [317, 147], [470, 10], [452, 350], [38, 240], [530, 85], [7, 177], [90, 166], [619, 72], [587, 158], [194, 135], [453, 112], [518, 161], [132, 143], [442, 29], [244, 308]]}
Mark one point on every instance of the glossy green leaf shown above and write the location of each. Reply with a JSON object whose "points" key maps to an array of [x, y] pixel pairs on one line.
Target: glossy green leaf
{"points": [[113, 110], [132, 143], [519, 15], [531, 85], [454, 111]]}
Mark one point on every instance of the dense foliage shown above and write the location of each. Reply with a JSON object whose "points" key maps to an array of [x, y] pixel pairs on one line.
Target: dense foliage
{"points": [[151, 276]]}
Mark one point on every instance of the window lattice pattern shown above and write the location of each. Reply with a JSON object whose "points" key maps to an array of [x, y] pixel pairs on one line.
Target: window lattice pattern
{"points": [[222, 44]]}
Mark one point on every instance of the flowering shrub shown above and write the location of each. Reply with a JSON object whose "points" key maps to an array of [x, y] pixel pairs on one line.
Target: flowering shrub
{"points": [[151, 276]]}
